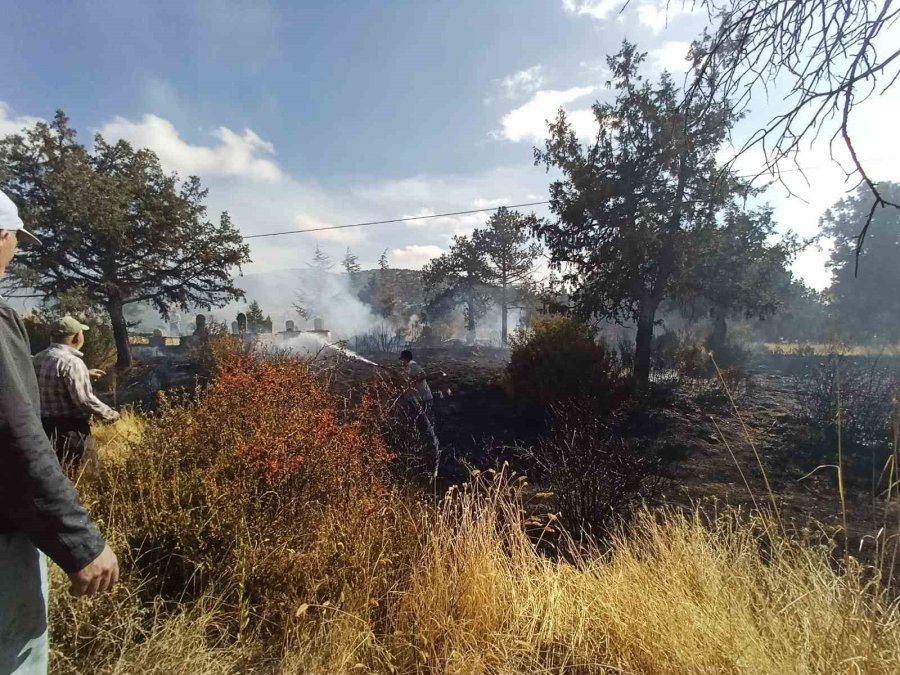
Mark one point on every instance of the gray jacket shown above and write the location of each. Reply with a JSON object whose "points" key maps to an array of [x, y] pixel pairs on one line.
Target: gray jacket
{"points": [[36, 498]]}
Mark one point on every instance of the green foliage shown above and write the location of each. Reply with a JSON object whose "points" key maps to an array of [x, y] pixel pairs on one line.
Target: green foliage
{"points": [[510, 256], [557, 360], [379, 294], [635, 204], [802, 315], [99, 346], [256, 321], [737, 272], [350, 263], [458, 278], [116, 226], [865, 305]]}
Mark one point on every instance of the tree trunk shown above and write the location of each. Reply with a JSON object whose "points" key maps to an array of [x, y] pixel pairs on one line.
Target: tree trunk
{"points": [[120, 334], [719, 334], [503, 310], [470, 322], [643, 342]]}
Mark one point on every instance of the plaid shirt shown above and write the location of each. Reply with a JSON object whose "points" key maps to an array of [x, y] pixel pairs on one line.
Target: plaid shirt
{"points": [[65, 385]]}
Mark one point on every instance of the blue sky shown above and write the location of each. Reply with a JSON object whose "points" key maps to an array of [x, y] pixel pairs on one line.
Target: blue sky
{"points": [[305, 114]]}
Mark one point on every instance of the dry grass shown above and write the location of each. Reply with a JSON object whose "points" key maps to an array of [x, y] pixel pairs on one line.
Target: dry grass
{"points": [[117, 439], [822, 349], [220, 579]]}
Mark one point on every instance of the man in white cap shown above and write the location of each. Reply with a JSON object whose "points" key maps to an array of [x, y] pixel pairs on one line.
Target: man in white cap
{"points": [[67, 398], [40, 513]]}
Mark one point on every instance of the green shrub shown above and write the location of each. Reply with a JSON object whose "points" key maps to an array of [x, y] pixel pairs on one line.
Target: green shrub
{"points": [[99, 346], [560, 359]]}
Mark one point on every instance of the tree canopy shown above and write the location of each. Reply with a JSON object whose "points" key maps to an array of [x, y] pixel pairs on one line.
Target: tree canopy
{"points": [[510, 255], [633, 206], [116, 227], [458, 278], [737, 272], [257, 322], [866, 306], [350, 263]]}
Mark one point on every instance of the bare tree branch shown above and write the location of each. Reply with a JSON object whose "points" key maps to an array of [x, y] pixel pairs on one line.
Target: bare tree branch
{"points": [[826, 52]]}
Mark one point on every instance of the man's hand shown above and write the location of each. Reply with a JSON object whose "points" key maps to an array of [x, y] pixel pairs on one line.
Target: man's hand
{"points": [[96, 373], [98, 577]]}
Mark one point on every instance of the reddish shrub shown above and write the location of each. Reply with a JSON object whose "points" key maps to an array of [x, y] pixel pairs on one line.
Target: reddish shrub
{"points": [[284, 425]]}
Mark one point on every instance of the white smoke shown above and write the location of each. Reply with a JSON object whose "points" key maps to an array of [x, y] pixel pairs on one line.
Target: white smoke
{"points": [[334, 299], [312, 346]]}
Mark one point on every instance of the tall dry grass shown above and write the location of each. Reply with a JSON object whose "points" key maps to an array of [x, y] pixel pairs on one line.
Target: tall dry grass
{"points": [[231, 568]]}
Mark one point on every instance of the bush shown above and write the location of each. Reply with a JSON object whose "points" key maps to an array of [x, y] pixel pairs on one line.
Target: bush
{"points": [[867, 390], [596, 477], [692, 361], [663, 349], [560, 359], [228, 492]]}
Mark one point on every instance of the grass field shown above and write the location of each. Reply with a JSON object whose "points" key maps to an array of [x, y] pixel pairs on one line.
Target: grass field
{"points": [[233, 565]]}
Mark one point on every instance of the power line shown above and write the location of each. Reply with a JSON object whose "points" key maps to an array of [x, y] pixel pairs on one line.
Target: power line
{"points": [[486, 210], [394, 220]]}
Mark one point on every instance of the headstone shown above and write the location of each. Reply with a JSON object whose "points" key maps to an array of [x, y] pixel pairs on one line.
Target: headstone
{"points": [[157, 339], [235, 328], [289, 326], [242, 322], [318, 325]]}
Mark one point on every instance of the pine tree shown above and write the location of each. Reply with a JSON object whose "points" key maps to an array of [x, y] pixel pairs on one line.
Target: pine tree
{"points": [[311, 296], [459, 278], [255, 318], [351, 263], [634, 206], [116, 227], [510, 255]]}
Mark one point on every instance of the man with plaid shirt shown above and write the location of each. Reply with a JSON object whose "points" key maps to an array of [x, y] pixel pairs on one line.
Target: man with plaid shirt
{"points": [[67, 398]]}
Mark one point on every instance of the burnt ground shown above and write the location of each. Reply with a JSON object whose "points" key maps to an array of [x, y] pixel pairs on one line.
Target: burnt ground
{"points": [[706, 442]]}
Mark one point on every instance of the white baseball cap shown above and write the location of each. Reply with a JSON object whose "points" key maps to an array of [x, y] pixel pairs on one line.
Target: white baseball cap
{"points": [[9, 220]]}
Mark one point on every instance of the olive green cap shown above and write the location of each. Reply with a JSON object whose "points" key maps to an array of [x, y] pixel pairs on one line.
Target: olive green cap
{"points": [[68, 326]]}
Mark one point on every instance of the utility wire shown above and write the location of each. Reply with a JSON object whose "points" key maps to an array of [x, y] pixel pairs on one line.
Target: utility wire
{"points": [[464, 213], [394, 220]]}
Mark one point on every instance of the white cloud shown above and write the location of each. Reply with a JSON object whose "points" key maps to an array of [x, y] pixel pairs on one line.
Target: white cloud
{"points": [[13, 124], [481, 203], [672, 56], [235, 154], [657, 14], [344, 235], [523, 82], [423, 217], [529, 122], [596, 9], [413, 256]]}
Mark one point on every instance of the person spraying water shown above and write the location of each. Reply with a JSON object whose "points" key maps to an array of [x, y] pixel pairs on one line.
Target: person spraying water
{"points": [[418, 402]]}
